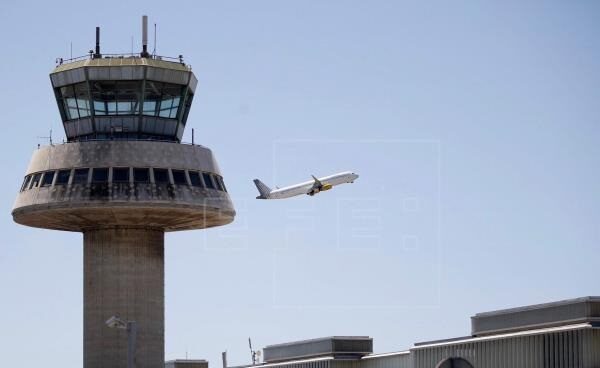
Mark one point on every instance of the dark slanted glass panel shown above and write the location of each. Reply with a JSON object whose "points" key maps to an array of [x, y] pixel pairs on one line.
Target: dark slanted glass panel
{"points": [[221, 183], [104, 97], [208, 181], [63, 177], [161, 176], [128, 97], [141, 175], [120, 175], [152, 94], [36, 180], [48, 178], [179, 177], [162, 99], [76, 101], [25, 182], [80, 176], [217, 181], [100, 175], [195, 178], [83, 99], [70, 102], [188, 106], [169, 104], [99, 188]]}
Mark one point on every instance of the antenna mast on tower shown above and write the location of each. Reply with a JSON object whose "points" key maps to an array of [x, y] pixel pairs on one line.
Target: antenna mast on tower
{"points": [[252, 352]]}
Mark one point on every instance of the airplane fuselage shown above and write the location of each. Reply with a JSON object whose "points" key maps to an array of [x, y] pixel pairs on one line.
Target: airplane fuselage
{"points": [[311, 187]]}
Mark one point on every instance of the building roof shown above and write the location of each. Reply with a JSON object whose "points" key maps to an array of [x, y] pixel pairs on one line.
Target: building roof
{"points": [[327, 338], [384, 355], [560, 313], [187, 361], [348, 347], [469, 339], [122, 61], [278, 364]]}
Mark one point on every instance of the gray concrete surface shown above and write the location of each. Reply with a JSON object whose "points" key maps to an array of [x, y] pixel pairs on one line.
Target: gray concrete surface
{"points": [[76, 207], [123, 275]]}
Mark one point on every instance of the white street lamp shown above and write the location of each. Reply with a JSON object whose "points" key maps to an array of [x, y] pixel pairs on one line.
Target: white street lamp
{"points": [[131, 327]]}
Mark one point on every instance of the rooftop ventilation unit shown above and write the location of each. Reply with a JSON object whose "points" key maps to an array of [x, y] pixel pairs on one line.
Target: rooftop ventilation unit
{"points": [[339, 347]]}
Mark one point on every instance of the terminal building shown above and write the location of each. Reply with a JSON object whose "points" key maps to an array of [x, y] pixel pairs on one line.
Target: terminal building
{"points": [[564, 334]]}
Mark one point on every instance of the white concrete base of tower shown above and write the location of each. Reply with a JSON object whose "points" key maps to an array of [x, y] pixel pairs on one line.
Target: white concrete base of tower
{"points": [[124, 276]]}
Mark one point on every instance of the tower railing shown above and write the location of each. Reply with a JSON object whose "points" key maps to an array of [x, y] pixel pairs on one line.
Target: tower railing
{"points": [[129, 55], [118, 139]]}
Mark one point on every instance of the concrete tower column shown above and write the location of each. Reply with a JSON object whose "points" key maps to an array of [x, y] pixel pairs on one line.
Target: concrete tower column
{"points": [[124, 275]]}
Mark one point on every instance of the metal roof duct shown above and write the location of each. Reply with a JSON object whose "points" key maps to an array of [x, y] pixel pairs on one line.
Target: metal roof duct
{"points": [[565, 312], [340, 347]]}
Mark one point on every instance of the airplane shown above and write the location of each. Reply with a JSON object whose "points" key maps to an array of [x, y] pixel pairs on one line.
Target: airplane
{"points": [[310, 187]]}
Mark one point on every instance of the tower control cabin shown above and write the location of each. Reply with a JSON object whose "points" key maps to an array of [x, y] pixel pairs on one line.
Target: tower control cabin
{"points": [[122, 179]]}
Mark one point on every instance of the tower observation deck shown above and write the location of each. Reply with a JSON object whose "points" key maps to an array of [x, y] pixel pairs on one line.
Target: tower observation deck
{"points": [[123, 178]]}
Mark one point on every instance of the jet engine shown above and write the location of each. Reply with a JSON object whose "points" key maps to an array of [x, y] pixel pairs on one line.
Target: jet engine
{"points": [[320, 188]]}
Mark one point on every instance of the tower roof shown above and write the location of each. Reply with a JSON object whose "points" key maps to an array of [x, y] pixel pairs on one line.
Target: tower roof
{"points": [[123, 60]]}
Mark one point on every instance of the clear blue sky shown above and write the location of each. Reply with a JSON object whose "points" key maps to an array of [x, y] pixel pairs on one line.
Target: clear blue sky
{"points": [[475, 127]]}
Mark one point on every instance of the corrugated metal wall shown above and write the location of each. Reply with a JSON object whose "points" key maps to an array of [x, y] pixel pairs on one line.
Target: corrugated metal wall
{"points": [[389, 361], [392, 361], [591, 348], [566, 349], [314, 364]]}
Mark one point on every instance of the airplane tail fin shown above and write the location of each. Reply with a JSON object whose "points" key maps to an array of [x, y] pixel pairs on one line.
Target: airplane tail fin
{"points": [[262, 189]]}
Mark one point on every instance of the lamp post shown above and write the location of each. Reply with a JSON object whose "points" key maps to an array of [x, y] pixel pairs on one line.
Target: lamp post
{"points": [[131, 327]]}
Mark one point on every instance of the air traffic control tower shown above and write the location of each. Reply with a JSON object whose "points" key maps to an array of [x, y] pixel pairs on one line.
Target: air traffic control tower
{"points": [[123, 178]]}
